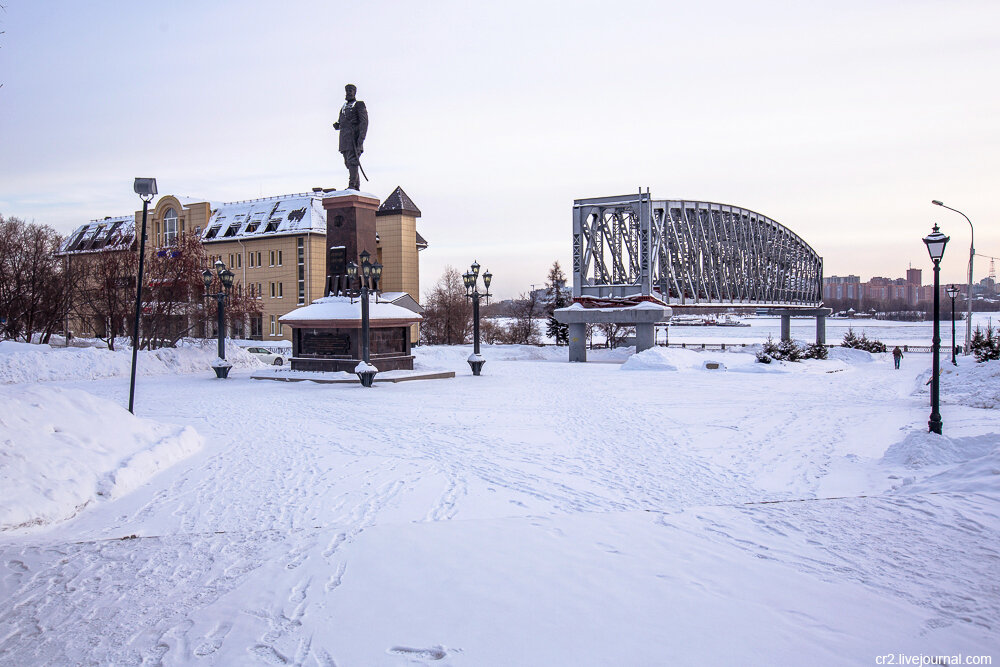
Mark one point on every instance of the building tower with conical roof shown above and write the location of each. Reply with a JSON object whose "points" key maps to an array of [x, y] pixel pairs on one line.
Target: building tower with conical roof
{"points": [[396, 227]]}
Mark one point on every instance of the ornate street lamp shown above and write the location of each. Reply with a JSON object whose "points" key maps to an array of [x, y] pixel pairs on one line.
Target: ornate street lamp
{"points": [[952, 292], [369, 275], [936, 241], [146, 189], [226, 277], [968, 294], [470, 278]]}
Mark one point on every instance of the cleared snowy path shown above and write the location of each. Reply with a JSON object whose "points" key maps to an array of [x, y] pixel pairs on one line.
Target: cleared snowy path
{"points": [[546, 513]]}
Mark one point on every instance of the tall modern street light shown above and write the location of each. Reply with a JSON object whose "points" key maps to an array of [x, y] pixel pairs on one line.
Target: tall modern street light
{"points": [[370, 273], [476, 360], [968, 294], [225, 288], [146, 189], [936, 241], [952, 292]]}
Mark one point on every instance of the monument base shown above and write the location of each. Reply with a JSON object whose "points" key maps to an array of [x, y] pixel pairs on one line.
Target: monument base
{"points": [[327, 335], [345, 365]]}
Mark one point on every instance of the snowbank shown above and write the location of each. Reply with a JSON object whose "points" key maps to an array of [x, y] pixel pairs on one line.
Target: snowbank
{"points": [[980, 475], [63, 449], [850, 355], [920, 449], [24, 363], [664, 359], [970, 383], [681, 359]]}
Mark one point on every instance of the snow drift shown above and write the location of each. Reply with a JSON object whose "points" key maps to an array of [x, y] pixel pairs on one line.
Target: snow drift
{"points": [[920, 449], [21, 362], [62, 449], [973, 384]]}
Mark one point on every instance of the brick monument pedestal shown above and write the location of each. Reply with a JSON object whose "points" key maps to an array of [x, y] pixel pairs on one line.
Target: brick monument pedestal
{"points": [[350, 229]]}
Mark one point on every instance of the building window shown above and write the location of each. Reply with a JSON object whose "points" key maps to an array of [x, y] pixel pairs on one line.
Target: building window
{"points": [[281, 329], [279, 258], [170, 227], [256, 327], [239, 261], [259, 263], [302, 270], [250, 260], [272, 258], [272, 290], [272, 325], [281, 294], [260, 291]]}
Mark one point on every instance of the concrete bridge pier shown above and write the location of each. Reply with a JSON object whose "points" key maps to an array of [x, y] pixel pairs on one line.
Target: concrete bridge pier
{"points": [[578, 341], [642, 316], [819, 313], [645, 336]]}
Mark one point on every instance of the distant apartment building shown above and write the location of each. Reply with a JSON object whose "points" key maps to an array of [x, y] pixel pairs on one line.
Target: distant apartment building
{"points": [[844, 291], [877, 291], [841, 287], [881, 290]]}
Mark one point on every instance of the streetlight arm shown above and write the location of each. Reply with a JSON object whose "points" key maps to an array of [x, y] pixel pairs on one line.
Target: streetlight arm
{"points": [[972, 255], [972, 229]]}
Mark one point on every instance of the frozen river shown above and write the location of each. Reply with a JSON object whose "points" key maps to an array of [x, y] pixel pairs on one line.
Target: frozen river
{"points": [[889, 332]]}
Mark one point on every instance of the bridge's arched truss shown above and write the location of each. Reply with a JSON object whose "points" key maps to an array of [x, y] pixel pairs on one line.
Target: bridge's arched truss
{"points": [[691, 253]]}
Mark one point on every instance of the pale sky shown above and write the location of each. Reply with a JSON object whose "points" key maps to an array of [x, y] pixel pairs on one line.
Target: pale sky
{"points": [[841, 121]]}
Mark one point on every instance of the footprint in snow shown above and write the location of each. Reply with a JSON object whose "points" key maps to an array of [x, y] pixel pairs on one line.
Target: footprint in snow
{"points": [[17, 566], [432, 653]]}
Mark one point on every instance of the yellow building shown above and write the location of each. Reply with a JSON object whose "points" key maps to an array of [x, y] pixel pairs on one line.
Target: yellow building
{"points": [[276, 246]]}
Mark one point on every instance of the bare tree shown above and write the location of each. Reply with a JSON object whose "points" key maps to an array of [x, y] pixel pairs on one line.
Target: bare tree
{"points": [[447, 311], [104, 292], [173, 303], [615, 334], [523, 330], [33, 284]]}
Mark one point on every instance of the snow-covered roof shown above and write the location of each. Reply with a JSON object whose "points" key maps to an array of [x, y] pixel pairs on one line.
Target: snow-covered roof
{"points": [[269, 216], [402, 299], [286, 214], [109, 233], [331, 310]]}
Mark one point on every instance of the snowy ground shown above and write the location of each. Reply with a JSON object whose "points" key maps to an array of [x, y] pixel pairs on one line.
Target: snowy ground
{"points": [[647, 513]]}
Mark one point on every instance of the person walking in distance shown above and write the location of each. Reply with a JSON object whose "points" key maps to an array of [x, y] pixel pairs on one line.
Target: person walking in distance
{"points": [[897, 356], [353, 126]]}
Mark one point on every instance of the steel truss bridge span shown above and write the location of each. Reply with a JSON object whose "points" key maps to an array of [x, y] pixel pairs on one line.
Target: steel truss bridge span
{"points": [[690, 253]]}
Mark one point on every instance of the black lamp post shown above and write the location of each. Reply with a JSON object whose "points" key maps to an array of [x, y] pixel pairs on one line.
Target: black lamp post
{"points": [[476, 360], [226, 286], [952, 292], [146, 189], [370, 274], [936, 241]]}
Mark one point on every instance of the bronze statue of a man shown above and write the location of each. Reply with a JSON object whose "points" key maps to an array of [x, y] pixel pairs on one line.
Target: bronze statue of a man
{"points": [[353, 126]]}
